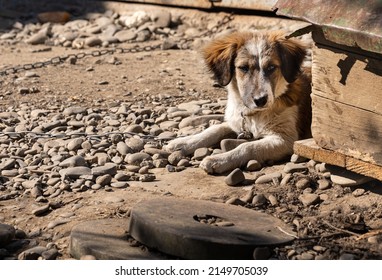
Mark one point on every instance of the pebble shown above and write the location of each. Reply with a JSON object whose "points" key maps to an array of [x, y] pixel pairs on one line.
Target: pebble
{"points": [[75, 144], [73, 161], [57, 222], [119, 185], [201, 153], [309, 199], [41, 210], [137, 158], [291, 167], [122, 148], [125, 35], [175, 157], [323, 184], [235, 201], [75, 172], [267, 178], [108, 168], [147, 178], [235, 177], [248, 197], [273, 200], [93, 41], [253, 165], [358, 192], [345, 178], [103, 180], [303, 183], [298, 159], [259, 200], [38, 38]]}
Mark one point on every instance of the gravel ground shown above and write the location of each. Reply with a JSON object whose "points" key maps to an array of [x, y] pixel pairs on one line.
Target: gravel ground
{"points": [[84, 139]]}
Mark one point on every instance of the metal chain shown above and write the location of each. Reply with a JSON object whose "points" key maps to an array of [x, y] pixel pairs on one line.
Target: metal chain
{"points": [[135, 49]]}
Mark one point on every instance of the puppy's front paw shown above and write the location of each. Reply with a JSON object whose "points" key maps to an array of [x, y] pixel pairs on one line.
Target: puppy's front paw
{"points": [[174, 145], [216, 164], [184, 144]]}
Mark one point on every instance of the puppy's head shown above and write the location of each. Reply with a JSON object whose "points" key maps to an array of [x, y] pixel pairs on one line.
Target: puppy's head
{"points": [[258, 65]]}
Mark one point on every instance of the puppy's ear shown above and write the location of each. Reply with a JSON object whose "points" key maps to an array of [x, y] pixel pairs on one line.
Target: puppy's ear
{"points": [[291, 53], [220, 55]]}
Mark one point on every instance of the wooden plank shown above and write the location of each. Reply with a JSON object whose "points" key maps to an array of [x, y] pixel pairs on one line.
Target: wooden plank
{"points": [[309, 149], [347, 77], [349, 130]]}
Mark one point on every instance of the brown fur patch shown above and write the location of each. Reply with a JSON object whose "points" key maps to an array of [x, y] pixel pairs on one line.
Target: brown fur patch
{"points": [[221, 53]]}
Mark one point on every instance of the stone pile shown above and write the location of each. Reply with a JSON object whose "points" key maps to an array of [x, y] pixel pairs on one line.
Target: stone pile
{"points": [[104, 30]]}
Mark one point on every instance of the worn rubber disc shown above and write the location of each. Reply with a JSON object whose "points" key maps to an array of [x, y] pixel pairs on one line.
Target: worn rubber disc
{"points": [[180, 228], [105, 239]]}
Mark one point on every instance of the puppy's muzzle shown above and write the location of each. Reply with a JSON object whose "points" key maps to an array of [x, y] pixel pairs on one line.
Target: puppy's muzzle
{"points": [[261, 101]]}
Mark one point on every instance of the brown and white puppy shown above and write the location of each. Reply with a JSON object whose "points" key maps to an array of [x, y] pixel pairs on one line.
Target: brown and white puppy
{"points": [[268, 99]]}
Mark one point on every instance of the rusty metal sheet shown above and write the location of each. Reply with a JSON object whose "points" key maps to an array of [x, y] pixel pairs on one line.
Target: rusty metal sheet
{"points": [[264, 5], [354, 23]]}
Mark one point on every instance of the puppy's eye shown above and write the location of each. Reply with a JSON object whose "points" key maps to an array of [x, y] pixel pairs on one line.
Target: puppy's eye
{"points": [[270, 69], [244, 68]]}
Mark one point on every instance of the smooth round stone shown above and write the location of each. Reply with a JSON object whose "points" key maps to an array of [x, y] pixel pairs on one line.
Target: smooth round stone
{"points": [[93, 41], [38, 38], [119, 185], [175, 157], [358, 192], [323, 184], [122, 148], [136, 145], [73, 161], [253, 165], [273, 200], [103, 180], [346, 178], [125, 35], [41, 210], [201, 153], [174, 228], [57, 222], [147, 177], [7, 233], [303, 183], [235, 177], [106, 239], [167, 135], [75, 144], [74, 110], [121, 177], [75, 172], [10, 173], [137, 158], [259, 200], [291, 167], [309, 199], [268, 178], [108, 168]]}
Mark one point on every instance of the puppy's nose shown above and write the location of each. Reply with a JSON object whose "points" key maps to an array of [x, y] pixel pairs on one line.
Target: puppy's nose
{"points": [[261, 101]]}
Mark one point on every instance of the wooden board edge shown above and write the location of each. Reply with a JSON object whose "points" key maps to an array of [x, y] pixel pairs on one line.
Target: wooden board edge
{"points": [[309, 149]]}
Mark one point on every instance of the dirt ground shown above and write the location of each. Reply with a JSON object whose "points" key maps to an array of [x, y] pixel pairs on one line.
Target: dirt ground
{"points": [[343, 225]]}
